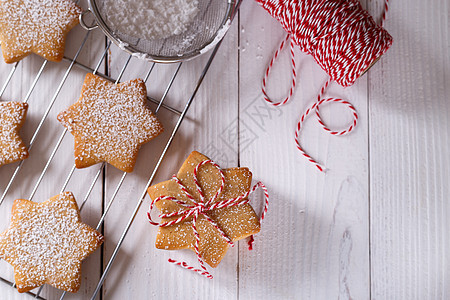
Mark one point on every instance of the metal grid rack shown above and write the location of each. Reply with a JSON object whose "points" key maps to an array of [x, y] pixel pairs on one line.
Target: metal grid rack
{"points": [[160, 104]]}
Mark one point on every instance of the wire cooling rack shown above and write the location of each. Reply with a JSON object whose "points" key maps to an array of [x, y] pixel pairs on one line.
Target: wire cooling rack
{"points": [[72, 64]]}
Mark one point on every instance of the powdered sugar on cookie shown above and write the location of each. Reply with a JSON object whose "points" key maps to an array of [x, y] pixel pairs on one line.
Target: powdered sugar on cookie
{"points": [[37, 26], [46, 243], [110, 122], [12, 116]]}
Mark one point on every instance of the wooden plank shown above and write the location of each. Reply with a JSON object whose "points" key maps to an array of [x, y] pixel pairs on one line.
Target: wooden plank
{"points": [[141, 270], [314, 241], [409, 141]]}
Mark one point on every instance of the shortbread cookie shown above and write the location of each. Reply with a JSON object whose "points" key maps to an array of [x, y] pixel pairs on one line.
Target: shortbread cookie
{"points": [[46, 242], [237, 222], [36, 26], [110, 122], [12, 117]]}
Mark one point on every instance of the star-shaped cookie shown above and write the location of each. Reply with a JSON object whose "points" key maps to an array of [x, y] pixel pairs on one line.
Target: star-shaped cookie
{"points": [[237, 222], [36, 26], [12, 117], [110, 122], [46, 242]]}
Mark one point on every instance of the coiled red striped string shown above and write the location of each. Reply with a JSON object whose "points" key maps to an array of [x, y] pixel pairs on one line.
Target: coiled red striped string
{"points": [[342, 38], [201, 207], [315, 106]]}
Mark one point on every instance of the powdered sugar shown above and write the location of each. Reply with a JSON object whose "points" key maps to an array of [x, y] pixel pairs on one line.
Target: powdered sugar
{"points": [[220, 34], [12, 115], [150, 20]]}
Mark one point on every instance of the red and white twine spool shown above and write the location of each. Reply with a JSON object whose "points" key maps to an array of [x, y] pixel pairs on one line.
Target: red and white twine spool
{"points": [[341, 37], [201, 207]]}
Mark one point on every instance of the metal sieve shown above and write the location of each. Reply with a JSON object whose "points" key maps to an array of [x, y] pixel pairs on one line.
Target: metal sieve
{"points": [[206, 29]]}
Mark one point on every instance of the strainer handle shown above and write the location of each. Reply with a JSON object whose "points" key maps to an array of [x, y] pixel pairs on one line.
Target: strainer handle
{"points": [[83, 23]]}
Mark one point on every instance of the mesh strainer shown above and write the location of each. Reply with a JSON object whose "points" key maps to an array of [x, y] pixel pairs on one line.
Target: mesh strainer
{"points": [[207, 28]]}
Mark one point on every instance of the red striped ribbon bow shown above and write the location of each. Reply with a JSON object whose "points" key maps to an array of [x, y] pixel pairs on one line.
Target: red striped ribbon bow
{"points": [[201, 207]]}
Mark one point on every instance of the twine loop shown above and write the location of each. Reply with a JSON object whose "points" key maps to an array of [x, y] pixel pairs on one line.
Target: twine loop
{"points": [[293, 72]]}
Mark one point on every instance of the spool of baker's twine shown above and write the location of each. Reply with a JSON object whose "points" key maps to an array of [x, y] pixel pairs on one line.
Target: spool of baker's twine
{"points": [[342, 38]]}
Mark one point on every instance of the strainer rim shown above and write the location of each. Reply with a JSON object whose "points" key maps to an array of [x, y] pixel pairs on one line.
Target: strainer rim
{"points": [[160, 58]]}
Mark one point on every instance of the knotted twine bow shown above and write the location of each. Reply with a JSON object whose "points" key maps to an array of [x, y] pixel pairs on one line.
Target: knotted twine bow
{"points": [[201, 208], [342, 38]]}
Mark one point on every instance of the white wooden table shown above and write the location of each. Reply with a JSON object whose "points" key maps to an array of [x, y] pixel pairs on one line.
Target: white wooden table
{"points": [[374, 226]]}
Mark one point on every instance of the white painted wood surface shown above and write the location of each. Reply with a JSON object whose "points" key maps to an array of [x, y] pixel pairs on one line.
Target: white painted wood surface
{"points": [[375, 226]]}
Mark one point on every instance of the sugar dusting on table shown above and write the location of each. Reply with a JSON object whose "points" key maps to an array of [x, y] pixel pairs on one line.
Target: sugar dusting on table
{"points": [[156, 19]]}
